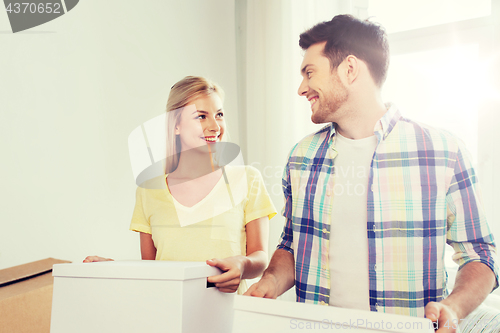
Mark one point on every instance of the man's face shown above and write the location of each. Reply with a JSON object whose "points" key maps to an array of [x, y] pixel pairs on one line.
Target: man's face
{"points": [[321, 86]]}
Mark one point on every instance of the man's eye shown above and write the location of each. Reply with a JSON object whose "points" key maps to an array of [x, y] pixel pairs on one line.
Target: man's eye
{"points": [[308, 74], [220, 114]]}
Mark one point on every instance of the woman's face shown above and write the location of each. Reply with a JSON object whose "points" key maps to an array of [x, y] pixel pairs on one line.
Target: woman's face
{"points": [[203, 124]]}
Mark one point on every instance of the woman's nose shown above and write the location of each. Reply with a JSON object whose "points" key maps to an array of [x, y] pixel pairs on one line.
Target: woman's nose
{"points": [[213, 125]]}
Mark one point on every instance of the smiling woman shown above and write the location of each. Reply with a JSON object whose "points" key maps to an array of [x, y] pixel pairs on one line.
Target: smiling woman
{"points": [[202, 209], [203, 96]]}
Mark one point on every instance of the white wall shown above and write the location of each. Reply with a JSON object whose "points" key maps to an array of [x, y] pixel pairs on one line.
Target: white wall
{"points": [[273, 116], [71, 91]]}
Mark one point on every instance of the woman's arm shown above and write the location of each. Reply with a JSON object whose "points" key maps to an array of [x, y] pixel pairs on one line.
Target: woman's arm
{"points": [[257, 232], [244, 267], [148, 249]]}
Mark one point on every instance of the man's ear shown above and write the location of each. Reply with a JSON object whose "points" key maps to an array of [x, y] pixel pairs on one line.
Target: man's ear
{"points": [[352, 67], [177, 132]]}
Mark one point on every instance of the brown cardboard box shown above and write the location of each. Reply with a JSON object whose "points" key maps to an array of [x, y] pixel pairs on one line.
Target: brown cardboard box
{"points": [[26, 297]]}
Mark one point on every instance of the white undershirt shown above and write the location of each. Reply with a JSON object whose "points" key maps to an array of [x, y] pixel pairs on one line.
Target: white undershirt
{"points": [[348, 238]]}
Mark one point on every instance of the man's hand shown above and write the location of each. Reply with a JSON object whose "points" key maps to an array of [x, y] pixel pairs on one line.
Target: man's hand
{"points": [[229, 281], [277, 278], [265, 288], [444, 315], [473, 283]]}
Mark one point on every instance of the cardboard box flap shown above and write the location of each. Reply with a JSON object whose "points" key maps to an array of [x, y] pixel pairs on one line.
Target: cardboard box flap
{"points": [[26, 271]]}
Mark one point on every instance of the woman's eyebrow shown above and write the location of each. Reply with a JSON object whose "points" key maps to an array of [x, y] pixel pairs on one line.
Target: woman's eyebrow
{"points": [[202, 111], [199, 111]]}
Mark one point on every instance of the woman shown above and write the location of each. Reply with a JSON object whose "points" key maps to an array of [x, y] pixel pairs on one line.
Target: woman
{"points": [[200, 210]]}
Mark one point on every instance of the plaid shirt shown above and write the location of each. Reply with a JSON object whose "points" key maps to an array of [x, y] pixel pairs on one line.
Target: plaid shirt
{"points": [[422, 194]]}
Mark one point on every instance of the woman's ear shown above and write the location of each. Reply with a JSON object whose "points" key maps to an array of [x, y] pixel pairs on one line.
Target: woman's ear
{"points": [[177, 132]]}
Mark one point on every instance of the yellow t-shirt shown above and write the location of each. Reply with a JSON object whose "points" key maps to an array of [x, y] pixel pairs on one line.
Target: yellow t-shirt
{"points": [[214, 227]]}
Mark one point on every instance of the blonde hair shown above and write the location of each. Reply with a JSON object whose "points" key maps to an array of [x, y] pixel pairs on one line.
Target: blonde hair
{"points": [[182, 94]]}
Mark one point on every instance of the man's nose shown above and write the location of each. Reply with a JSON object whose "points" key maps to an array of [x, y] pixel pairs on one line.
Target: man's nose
{"points": [[303, 88]]}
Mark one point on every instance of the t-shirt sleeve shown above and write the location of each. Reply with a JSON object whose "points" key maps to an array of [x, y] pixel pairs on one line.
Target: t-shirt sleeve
{"points": [[259, 202], [139, 221]]}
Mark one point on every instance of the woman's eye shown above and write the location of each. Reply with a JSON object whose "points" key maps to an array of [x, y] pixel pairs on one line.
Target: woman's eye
{"points": [[201, 116]]}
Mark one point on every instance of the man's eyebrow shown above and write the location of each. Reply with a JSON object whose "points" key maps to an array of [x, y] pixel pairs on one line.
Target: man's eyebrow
{"points": [[303, 70]]}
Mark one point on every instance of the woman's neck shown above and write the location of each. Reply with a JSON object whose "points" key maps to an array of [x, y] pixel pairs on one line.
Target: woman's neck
{"points": [[193, 164]]}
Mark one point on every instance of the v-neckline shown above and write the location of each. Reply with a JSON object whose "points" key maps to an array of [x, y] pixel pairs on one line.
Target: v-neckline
{"points": [[205, 198]]}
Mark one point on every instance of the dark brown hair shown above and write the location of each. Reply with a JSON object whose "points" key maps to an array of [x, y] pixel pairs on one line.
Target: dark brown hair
{"points": [[346, 35]]}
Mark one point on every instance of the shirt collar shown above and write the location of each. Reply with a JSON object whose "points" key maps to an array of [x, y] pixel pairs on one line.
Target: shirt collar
{"points": [[383, 126]]}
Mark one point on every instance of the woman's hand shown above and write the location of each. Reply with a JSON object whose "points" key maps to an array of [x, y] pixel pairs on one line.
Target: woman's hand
{"points": [[96, 259], [232, 267]]}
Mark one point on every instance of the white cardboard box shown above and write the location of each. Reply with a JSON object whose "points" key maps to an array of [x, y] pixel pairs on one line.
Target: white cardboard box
{"points": [[267, 315], [138, 296]]}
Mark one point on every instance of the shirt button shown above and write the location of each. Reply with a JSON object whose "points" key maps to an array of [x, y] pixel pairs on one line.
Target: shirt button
{"points": [[376, 306], [322, 303], [323, 267], [375, 268], [325, 231]]}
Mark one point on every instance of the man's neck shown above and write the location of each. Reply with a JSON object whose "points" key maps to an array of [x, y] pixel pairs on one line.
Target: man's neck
{"points": [[361, 119]]}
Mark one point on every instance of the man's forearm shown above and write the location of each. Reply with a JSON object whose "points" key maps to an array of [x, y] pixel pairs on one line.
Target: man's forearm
{"points": [[473, 283], [282, 269]]}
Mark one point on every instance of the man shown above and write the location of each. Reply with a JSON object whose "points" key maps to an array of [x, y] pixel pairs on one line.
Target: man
{"points": [[373, 198]]}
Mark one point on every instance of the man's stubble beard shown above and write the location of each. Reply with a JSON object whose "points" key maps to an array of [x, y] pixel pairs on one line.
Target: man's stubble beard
{"points": [[333, 108]]}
